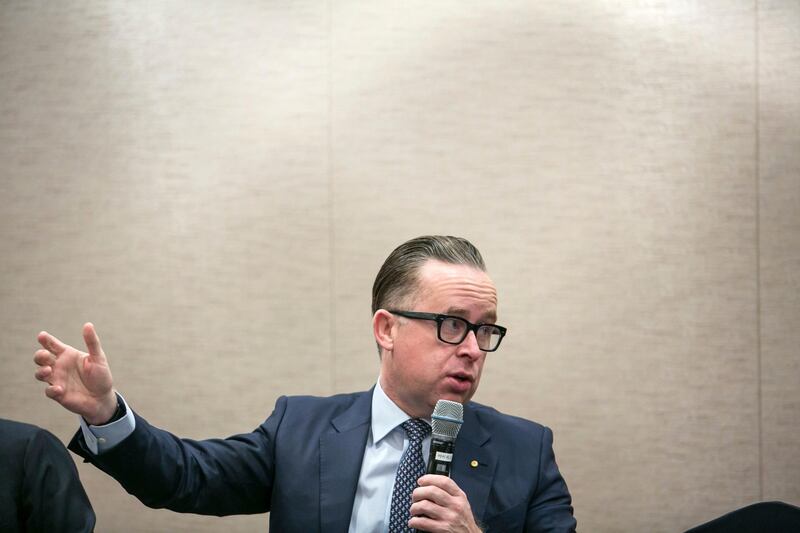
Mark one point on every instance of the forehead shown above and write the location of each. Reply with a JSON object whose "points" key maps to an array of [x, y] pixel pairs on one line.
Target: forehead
{"points": [[445, 287]]}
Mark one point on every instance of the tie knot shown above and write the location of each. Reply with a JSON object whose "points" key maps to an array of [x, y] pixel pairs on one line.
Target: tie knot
{"points": [[416, 429]]}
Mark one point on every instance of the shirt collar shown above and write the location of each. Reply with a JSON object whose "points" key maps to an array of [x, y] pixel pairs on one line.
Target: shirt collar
{"points": [[386, 415]]}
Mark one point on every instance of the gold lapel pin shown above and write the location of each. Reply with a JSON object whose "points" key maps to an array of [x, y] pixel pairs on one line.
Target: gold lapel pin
{"points": [[473, 463]]}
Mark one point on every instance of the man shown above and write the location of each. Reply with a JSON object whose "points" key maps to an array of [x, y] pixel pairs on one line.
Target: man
{"points": [[39, 485], [329, 464]]}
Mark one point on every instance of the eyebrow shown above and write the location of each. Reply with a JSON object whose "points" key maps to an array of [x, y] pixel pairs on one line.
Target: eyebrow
{"points": [[489, 318]]}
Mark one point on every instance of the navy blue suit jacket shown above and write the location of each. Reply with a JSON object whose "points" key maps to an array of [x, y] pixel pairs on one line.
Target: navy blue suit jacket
{"points": [[39, 485], [302, 465]]}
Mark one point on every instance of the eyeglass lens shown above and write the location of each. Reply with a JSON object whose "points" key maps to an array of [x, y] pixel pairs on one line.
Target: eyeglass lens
{"points": [[454, 330]]}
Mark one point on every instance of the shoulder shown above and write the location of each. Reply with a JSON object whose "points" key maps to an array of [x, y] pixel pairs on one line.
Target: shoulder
{"points": [[18, 437], [495, 421], [12, 429], [302, 417], [309, 410], [15, 438], [30, 449], [336, 401]]}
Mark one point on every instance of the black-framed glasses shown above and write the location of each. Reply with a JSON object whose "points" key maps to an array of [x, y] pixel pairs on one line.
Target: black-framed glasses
{"points": [[454, 329]]}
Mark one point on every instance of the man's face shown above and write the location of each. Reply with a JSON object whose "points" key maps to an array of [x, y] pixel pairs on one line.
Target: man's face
{"points": [[419, 369]]}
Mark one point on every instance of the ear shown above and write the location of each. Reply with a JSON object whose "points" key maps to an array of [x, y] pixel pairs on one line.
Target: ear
{"points": [[382, 325]]}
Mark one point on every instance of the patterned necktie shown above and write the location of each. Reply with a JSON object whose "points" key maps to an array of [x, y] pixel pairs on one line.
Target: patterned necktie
{"points": [[411, 467]]}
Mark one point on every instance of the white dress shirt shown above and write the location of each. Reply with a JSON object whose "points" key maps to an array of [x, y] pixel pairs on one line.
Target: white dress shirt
{"points": [[386, 444]]}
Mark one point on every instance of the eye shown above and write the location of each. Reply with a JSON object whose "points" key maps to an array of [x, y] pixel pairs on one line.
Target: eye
{"points": [[453, 325], [485, 332]]}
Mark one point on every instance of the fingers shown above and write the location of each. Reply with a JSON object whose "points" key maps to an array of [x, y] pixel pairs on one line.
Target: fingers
{"points": [[440, 505], [54, 392], [423, 523], [442, 482], [51, 343], [44, 373], [44, 358], [431, 494], [429, 516], [434, 495], [92, 341]]}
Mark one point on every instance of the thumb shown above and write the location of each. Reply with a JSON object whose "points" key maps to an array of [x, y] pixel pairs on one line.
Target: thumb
{"points": [[93, 343]]}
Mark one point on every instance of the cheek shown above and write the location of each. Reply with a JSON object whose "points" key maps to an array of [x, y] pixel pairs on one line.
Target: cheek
{"points": [[480, 372]]}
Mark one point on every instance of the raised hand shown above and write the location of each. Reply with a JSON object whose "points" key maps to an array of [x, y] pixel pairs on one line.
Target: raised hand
{"points": [[79, 381]]}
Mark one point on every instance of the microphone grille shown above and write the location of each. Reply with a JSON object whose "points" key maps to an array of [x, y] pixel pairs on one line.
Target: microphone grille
{"points": [[446, 419]]}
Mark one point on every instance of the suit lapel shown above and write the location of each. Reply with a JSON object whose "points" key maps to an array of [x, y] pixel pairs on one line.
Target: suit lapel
{"points": [[472, 449], [341, 453]]}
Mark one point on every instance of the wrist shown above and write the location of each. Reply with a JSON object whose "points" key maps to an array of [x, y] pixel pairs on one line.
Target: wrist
{"points": [[111, 409]]}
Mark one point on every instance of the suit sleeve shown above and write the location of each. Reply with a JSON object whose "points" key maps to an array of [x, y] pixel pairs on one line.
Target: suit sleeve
{"points": [[212, 477], [550, 510], [52, 497]]}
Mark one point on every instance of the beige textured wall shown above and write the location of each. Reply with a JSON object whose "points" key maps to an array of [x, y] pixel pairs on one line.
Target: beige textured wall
{"points": [[215, 184]]}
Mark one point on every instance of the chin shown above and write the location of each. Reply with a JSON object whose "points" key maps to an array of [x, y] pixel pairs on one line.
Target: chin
{"points": [[455, 397]]}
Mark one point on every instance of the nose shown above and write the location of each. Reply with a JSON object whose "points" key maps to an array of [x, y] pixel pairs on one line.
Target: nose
{"points": [[469, 346]]}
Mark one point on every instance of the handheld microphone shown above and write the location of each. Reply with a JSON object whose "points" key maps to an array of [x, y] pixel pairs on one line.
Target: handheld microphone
{"points": [[446, 421]]}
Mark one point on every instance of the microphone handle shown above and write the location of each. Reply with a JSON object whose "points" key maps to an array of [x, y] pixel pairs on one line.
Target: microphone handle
{"points": [[440, 459], [441, 456]]}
